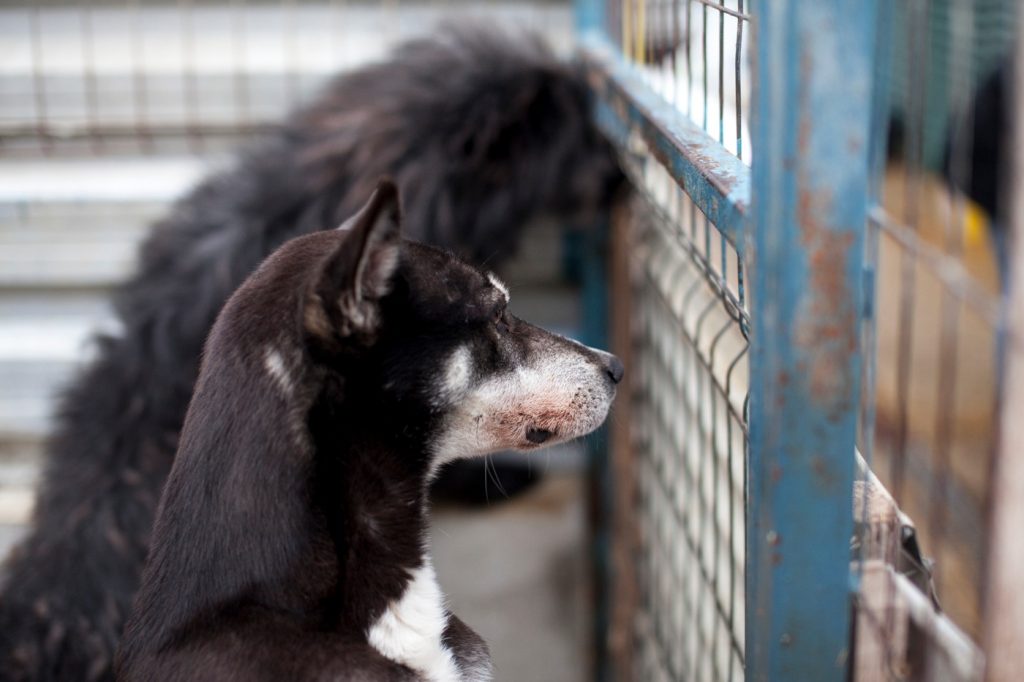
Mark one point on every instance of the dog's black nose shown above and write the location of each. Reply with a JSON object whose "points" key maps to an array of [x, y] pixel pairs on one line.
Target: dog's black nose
{"points": [[614, 368]]}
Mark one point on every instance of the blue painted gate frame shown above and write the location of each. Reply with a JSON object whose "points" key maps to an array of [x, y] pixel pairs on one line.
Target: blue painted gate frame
{"points": [[804, 232]]}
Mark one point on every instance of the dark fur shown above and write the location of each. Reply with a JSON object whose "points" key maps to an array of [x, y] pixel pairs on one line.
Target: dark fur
{"points": [[296, 510], [482, 133]]}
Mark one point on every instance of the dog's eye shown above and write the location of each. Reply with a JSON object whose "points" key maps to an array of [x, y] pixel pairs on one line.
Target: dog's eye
{"points": [[501, 321]]}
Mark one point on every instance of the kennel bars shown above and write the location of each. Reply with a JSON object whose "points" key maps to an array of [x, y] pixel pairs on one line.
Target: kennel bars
{"points": [[819, 240], [799, 430]]}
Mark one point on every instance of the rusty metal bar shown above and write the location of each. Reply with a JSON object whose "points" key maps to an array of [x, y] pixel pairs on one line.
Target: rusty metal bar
{"points": [[717, 181], [812, 111]]}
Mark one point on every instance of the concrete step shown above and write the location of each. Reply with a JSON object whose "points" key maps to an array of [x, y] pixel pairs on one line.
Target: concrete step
{"points": [[44, 336], [77, 222]]}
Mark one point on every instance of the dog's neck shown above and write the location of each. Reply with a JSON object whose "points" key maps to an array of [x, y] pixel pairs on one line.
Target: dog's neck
{"points": [[378, 523], [372, 489]]}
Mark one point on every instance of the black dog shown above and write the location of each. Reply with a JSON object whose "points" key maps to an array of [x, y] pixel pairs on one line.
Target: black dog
{"points": [[481, 132], [291, 543]]}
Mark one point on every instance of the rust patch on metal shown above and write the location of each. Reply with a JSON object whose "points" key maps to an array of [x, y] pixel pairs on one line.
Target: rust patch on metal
{"points": [[826, 324], [710, 168], [825, 476], [774, 542]]}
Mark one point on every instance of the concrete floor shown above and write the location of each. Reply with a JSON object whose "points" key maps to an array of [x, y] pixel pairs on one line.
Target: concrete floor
{"points": [[517, 573]]}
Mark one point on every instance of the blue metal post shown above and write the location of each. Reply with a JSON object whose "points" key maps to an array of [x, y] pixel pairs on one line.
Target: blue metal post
{"points": [[588, 15], [810, 182]]}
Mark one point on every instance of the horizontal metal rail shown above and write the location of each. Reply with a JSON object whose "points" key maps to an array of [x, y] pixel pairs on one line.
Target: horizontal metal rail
{"points": [[716, 180]]}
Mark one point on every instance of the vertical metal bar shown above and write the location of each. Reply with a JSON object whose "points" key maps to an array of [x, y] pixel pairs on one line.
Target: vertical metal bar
{"points": [[42, 119], [140, 86], [89, 77], [674, 54], [594, 306], [721, 76], [732, 512], [812, 109], [716, 536], [739, 87], [1004, 602], [189, 78], [603, 489], [290, 39], [627, 29], [588, 16], [239, 44], [624, 462], [641, 31], [881, 104], [961, 109], [689, 59], [704, 64]]}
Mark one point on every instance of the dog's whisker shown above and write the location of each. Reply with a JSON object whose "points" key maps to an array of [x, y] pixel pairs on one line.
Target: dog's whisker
{"points": [[493, 472], [487, 495]]}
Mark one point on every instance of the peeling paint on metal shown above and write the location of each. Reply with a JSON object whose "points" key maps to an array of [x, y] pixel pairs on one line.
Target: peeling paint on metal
{"points": [[811, 116]]}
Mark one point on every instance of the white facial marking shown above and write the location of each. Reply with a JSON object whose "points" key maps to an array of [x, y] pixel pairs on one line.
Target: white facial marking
{"points": [[274, 363], [499, 285], [563, 394], [458, 374], [411, 629]]}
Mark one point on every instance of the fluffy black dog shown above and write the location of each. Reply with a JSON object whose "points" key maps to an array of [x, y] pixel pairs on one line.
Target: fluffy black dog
{"points": [[482, 132], [291, 541]]}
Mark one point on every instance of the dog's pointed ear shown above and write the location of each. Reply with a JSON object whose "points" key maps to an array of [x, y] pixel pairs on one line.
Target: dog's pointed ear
{"points": [[346, 290]]}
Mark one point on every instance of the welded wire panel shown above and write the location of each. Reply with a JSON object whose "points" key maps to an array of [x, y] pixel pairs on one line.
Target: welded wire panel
{"points": [[690, 349], [695, 53], [106, 77], [670, 78], [937, 245]]}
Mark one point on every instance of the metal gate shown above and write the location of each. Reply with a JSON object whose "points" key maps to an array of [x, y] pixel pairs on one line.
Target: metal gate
{"points": [[806, 480]]}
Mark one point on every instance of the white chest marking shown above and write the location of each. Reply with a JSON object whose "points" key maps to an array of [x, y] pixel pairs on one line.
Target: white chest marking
{"points": [[410, 630]]}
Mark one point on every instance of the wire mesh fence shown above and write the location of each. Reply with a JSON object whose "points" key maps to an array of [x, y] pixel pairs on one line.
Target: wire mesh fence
{"points": [[690, 353], [932, 334], [937, 244], [674, 83], [688, 305], [695, 54]]}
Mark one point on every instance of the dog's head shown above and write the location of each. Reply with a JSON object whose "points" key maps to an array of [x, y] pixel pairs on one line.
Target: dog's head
{"points": [[429, 340]]}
